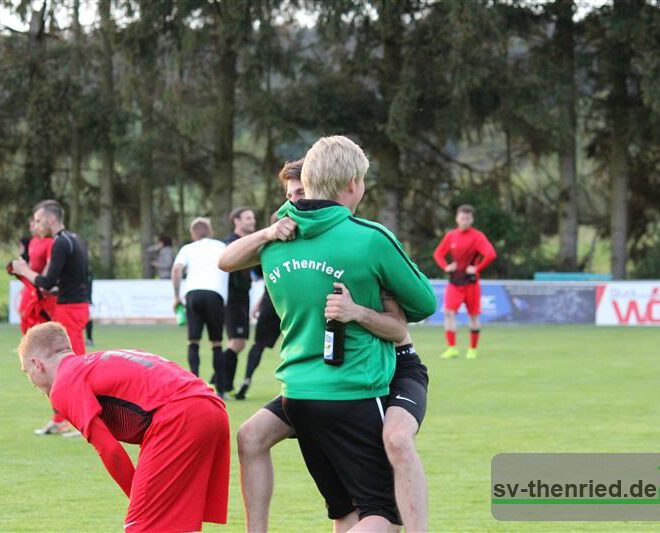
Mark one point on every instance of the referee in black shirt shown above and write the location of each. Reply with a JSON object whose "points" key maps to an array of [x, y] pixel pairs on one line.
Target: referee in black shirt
{"points": [[237, 310]]}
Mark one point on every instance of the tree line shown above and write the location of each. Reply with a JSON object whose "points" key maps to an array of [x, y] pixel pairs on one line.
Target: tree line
{"points": [[544, 115]]}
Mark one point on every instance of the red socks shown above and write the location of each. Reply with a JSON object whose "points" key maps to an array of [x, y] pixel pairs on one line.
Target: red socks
{"points": [[474, 338], [451, 337], [58, 418]]}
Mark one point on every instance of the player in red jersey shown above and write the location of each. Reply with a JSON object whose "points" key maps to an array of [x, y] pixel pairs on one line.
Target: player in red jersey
{"points": [[36, 306], [471, 252], [182, 475]]}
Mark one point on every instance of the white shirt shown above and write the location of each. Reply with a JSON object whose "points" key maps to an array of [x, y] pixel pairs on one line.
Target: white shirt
{"points": [[200, 258]]}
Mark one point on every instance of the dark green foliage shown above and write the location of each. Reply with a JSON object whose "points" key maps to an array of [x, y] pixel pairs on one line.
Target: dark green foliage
{"points": [[453, 101]]}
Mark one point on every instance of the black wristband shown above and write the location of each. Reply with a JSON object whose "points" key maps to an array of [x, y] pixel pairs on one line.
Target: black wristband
{"points": [[405, 350]]}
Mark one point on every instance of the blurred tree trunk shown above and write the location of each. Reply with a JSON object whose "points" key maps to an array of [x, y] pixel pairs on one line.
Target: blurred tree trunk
{"points": [[390, 207], [226, 75], [182, 233], [568, 194], [624, 12], [145, 57], [146, 187], [232, 23], [106, 144], [76, 134], [274, 196], [619, 199], [39, 159], [387, 155]]}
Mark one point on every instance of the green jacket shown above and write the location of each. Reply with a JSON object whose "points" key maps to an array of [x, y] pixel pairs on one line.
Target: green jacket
{"points": [[333, 246]]}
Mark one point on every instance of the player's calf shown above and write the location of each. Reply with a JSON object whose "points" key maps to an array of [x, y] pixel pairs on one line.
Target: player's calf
{"points": [[409, 481], [255, 438]]}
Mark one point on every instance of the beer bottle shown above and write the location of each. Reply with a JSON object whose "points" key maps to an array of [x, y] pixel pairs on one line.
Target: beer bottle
{"points": [[335, 333]]}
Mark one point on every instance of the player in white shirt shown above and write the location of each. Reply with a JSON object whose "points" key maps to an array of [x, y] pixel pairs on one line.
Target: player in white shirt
{"points": [[206, 292]]}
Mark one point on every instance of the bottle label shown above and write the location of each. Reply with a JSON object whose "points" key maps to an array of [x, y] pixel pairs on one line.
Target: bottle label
{"points": [[328, 346]]}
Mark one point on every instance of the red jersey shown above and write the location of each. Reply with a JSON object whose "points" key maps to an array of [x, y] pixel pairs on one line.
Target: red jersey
{"points": [[112, 396], [123, 388], [36, 308], [39, 253], [469, 247]]}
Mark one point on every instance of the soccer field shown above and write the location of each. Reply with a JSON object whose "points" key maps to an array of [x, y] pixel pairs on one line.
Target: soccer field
{"points": [[535, 389]]}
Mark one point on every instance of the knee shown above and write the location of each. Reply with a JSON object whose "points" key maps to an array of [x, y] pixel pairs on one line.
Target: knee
{"points": [[239, 344], [399, 446], [251, 440]]}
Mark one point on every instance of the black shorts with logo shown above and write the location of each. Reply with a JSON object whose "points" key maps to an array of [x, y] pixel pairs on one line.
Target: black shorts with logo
{"points": [[409, 385], [408, 388], [204, 308], [342, 444], [237, 315]]}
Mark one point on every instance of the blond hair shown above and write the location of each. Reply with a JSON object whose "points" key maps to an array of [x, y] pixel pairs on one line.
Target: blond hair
{"points": [[330, 164], [44, 341], [201, 227]]}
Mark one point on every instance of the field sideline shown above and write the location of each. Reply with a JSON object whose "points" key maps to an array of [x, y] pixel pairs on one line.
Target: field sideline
{"points": [[536, 389]]}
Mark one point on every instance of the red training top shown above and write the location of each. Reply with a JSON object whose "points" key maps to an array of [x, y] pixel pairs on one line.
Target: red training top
{"points": [[469, 247], [111, 396], [39, 254]]}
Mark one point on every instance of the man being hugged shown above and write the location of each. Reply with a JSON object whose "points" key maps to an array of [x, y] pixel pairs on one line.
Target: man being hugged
{"points": [[337, 411]]}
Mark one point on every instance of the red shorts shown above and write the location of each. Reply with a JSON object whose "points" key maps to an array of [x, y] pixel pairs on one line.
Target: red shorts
{"points": [[469, 294], [74, 318], [182, 473]]}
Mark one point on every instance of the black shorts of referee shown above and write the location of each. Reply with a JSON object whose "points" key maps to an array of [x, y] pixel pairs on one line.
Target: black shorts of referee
{"points": [[204, 308], [268, 324], [237, 315]]}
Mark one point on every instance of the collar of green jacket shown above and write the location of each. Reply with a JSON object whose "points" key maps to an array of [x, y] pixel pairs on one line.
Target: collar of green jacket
{"points": [[314, 216]]}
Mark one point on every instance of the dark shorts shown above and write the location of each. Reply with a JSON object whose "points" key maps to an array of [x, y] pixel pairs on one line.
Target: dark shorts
{"points": [[268, 324], [204, 308], [275, 406], [342, 444], [237, 316], [409, 386]]}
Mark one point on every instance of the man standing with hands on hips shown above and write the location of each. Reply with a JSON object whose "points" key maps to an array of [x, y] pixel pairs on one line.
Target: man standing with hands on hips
{"points": [[471, 252]]}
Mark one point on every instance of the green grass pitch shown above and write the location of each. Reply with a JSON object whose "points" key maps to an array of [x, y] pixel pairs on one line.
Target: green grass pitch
{"points": [[535, 389]]}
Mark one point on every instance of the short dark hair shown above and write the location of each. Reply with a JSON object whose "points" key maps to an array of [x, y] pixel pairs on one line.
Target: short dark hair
{"points": [[290, 171], [465, 208], [236, 213], [51, 207], [166, 240]]}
